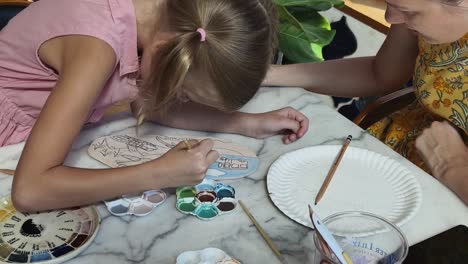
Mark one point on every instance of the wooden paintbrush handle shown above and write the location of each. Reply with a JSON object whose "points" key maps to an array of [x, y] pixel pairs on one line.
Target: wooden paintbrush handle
{"points": [[8, 172]]}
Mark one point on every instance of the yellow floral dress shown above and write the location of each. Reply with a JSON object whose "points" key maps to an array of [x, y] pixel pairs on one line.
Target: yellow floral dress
{"points": [[441, 83]]}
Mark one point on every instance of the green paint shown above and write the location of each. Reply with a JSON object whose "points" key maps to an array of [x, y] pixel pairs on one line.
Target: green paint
{"points": [[186, 204], [207, 210], [185, 192]]}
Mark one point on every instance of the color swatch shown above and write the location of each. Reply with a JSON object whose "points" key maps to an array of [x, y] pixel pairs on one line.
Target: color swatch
{"points": [[48, 237]]}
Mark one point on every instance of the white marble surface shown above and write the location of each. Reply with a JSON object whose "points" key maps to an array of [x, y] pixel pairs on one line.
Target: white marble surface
{"points": [[161, 236]]}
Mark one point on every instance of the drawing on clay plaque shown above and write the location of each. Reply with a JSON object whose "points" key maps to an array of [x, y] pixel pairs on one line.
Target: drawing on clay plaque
{"points": [[226, 163], [124, 150]]}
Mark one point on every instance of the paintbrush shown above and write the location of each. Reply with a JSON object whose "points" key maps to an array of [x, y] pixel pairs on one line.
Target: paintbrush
{"points": [[8, 172], [329, 177], [263, 234]]}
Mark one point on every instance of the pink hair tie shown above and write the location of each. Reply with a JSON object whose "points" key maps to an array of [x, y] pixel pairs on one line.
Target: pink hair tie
{"points": [[202, 34]]}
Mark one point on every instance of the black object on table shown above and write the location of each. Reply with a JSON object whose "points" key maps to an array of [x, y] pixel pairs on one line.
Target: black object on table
{"points": [[449, 247]]}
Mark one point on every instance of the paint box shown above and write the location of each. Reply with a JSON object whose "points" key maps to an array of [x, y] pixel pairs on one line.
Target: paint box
{"points": [[206, 200], [139, 205]]}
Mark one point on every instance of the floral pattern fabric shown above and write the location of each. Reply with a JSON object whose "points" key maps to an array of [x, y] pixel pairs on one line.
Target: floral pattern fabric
{"points": [[441, 84]]}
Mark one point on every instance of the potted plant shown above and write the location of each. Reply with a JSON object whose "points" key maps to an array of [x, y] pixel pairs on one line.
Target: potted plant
{"points": [[303, 31]]}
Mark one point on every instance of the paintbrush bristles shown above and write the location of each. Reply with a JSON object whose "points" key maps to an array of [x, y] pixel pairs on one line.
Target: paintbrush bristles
{"points": [[330, 174]]}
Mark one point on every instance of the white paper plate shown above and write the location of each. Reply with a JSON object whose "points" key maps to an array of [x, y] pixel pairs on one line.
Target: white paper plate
{"points": [[364, 181]]}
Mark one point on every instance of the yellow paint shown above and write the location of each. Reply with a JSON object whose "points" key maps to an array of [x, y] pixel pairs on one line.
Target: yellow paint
{"points": [[347, 258], [3, 213]]}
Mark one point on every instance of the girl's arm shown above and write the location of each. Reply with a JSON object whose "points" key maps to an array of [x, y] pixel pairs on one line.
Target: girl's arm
{"points": [[42, 182], [381, 74]]}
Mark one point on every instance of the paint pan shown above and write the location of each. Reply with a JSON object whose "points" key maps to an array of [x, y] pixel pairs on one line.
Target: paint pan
{"points": [[119, 207], [226, 205], [205, 185], [141, 207], [206, 196], [206, 211], [185, 192], [156, 197], [186, 205], [224, 191]]}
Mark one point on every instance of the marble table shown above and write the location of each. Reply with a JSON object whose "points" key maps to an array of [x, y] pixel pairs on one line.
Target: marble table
{"points": [[161, 236]]}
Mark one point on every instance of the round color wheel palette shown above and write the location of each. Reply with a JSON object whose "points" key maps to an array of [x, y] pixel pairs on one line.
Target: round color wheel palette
{"points": [[48, 237]]}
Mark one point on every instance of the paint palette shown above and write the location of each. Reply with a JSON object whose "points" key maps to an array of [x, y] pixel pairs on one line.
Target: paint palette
{"points": [[139, 205], [49, 237], [206, 200], [206, 256]]}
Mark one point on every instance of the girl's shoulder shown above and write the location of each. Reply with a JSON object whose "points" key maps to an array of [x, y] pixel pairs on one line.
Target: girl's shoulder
{"points": [[108, 20]]}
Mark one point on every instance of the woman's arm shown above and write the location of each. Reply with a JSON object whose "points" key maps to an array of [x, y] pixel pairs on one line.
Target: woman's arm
{"points": [[194, 116], [381, 74], [42, 182], [446, 155]]}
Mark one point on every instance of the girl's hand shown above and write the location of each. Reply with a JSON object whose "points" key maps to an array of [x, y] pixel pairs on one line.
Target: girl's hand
{"points": [[442, 149], [286, 121], [181, 166]]}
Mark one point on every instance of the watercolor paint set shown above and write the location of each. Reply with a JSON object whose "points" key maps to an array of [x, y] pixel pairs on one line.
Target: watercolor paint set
{"points": [[206, 200], [48, 237], [136, 204]]}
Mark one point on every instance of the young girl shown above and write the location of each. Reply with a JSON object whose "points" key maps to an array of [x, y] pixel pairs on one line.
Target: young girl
{"points": [[64, 61], [429, 41]]}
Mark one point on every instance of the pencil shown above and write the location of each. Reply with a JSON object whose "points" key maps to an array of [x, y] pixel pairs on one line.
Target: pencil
{"points": [[263, 234], [329, 177]]}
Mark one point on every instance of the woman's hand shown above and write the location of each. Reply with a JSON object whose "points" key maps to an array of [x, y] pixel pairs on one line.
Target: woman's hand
{"points": [[445, 153], [286, 121], [442, 148], [182, 166]]}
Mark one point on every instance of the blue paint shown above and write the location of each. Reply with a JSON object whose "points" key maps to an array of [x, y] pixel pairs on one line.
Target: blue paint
{"points": [[205, 185], [40, 256], [61, 250], [224, 191], [18, 258]]}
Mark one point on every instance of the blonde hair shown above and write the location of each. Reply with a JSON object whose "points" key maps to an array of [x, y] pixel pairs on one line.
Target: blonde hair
{"points": [[239, 46]]}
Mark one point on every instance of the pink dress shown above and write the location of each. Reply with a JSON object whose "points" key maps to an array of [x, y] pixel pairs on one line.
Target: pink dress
{"points": [[26, 83]]}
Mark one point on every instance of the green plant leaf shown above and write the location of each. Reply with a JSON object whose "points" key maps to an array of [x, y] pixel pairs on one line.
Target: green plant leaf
{"points": [[316, 27], [285, 16], [320, 5], [296, 46], [303, 31]]}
